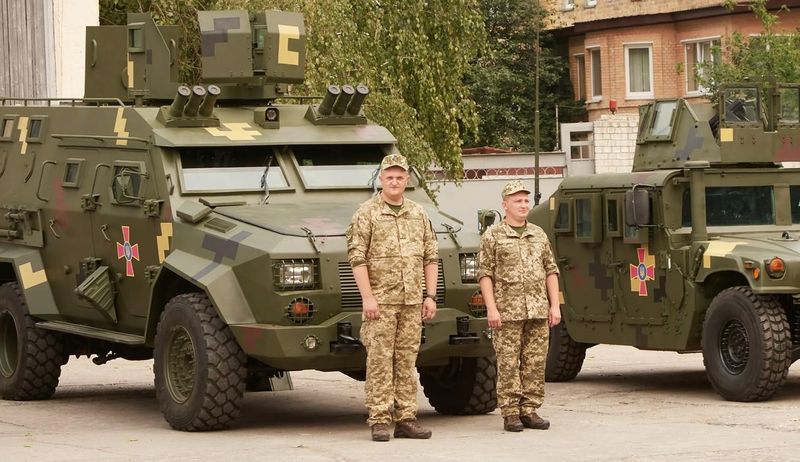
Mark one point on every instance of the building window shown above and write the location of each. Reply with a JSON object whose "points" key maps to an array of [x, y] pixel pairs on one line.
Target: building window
{"points": [[591, 3], [698, 53], [568, 5], [580, 76], [581, 145], [597, 80], [639, 71]]}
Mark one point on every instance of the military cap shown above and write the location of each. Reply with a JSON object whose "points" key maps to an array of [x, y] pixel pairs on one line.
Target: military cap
{"points": [[394, 160], [513, 186]]}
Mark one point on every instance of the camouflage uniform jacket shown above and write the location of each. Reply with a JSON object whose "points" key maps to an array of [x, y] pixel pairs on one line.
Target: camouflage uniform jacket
{"points": [[518, 266], [394, 246]]}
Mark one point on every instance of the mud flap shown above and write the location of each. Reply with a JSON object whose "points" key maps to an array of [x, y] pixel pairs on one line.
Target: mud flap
{"points": [[282, 382]]}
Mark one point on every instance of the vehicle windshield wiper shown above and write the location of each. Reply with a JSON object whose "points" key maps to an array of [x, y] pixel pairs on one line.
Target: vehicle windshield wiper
{"points": [[264, 182]]}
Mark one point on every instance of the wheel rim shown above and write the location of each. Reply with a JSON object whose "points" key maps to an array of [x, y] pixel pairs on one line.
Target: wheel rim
{"points": [[180, 365], [734, 347], [9, 345]]}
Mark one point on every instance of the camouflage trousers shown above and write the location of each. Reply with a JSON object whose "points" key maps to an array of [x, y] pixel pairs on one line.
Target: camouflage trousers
{"points": [[521, 348], [392, 344]]}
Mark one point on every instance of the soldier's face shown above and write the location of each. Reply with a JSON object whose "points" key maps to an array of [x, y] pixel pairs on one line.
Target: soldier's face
{"points": [[517, 205], [394, 181]]}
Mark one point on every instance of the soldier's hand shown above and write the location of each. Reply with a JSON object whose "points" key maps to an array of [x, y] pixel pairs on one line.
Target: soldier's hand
{"points": [[493, 316], [428, 309], [554, 315], [370, 307]]}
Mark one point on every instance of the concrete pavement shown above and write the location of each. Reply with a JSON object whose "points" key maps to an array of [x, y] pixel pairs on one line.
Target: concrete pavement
{"points": [[625, 405]]}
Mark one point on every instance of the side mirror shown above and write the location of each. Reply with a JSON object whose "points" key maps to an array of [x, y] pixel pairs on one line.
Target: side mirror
{"points": [[126, 186], [637, 207], [486, 218]]}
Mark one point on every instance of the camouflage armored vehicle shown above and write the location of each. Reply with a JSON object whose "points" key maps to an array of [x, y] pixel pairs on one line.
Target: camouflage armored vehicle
{"points": [[696, 249], [204, 227]]}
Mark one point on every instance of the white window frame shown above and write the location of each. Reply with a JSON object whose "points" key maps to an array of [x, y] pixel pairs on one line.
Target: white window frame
{"points": [[591, 3], [580, 75], [638, 94], [700, 90], [592, 98], [568, 5]]}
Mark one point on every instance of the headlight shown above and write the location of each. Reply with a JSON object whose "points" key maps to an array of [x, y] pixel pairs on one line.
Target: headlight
{"points": [[296, 274], [469, 267]]}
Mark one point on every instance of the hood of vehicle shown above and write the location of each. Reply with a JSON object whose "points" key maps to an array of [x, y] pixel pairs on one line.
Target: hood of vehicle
{"points": [[322, 219], [757, 246]]}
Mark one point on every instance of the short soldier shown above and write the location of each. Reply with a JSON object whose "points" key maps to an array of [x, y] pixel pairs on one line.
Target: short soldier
{"points": [[519, 283], [390, 245]]}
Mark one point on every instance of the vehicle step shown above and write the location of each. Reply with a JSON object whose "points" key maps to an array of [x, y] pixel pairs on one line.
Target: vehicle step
{"points": [[93, 332]]}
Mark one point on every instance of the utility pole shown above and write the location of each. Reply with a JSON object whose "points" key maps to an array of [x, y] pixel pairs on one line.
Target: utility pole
{"points": [[537, 195]]}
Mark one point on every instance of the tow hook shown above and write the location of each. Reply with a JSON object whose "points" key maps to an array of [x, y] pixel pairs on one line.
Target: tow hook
{"points": [[345, 342], [463, 335]]}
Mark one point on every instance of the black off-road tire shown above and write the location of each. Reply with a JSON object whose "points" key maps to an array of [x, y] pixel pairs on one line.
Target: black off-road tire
{"points": [[747, 345], [30, 358], [466, 386], [200, 369], [564, 355]]}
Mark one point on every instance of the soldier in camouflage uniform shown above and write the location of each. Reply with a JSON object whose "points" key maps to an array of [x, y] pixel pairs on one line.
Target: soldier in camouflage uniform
{"points": [[390, 245], [519, 283]]}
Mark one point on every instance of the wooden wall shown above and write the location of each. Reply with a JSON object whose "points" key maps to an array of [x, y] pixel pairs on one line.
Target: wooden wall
{"points": [[27, 64]]}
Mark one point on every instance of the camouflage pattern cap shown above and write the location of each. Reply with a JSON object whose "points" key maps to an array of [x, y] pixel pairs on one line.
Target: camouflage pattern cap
{"points": [[394, 160], [513, 186]]}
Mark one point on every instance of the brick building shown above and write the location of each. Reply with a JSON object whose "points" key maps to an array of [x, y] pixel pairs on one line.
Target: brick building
{"points": [[623, 53]]}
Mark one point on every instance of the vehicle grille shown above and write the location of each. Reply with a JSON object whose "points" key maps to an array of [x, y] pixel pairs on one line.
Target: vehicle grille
{"points": [[351, 298]]}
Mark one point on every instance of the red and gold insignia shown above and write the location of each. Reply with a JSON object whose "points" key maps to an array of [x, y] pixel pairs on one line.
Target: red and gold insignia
{"points": [[643, 272], [127, 251]]}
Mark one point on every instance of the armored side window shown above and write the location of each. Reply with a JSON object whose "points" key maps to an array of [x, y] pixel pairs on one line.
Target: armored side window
{"points": [[136, 38], [7, 128], [790, 105], [588, 220], [613, 216], [134, 173], [794, 199], [663, 119], [72, 173], [742, 105], [37, 125], [563, 218]]}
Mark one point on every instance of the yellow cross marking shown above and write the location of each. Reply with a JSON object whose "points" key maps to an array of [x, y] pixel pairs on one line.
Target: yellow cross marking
{"points": [[31, 278], [718, 249], [162, 241], [23, 135], [649, 260], [552, 203], [235, 132], [285, 55], [119, 127]]}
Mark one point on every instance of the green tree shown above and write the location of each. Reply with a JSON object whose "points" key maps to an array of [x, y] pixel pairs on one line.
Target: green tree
{"points": [[771, 54], [502, 80], [413, 55]]}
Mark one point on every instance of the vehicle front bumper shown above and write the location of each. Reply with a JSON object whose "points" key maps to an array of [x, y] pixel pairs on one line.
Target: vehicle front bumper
{"points": [[285, 347]]}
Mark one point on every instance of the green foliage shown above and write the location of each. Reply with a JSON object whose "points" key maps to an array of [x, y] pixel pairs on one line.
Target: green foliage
{"points": [[763, 57], [411, 53], [503, 79]]}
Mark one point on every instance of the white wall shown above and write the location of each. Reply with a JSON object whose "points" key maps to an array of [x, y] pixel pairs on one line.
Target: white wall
{"points": [[615, 142], [70, 18]]}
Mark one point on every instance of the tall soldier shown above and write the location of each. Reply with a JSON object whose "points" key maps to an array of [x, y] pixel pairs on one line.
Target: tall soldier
{"points": [[519, 283], [390, 245]]}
